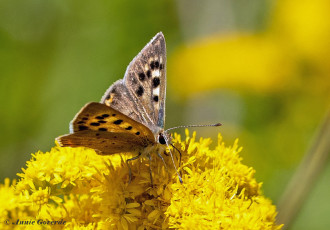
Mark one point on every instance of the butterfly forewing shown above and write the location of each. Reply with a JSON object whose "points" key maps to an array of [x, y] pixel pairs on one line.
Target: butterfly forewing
{"points": [[104, 143], [145, 80], [101, 127], [99, 117]]}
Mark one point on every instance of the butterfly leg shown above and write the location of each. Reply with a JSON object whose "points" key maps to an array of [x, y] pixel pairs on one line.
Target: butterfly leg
{"points": [[178, 151], [179, 154], [180, 179], [129, 167], [160, 156], [151, 181]]}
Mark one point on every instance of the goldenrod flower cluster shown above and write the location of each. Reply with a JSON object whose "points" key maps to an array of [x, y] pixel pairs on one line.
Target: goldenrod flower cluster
{"points": [[89, 191]]}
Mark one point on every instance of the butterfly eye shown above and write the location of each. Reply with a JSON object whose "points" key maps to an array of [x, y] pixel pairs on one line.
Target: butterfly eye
{"points": [[161, 139]]}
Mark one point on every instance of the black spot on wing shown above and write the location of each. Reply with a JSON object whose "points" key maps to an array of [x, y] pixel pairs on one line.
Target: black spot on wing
{"points": [[155, 98], [95, 124], [140, 91], [117, 122], [129, 128], [152, 65], [103, 129], [156, 64], [149, 73], [105, 115], [99, 117], [142, 76], [137, 133], [82, 127], [102, 121], [161, 66], [155, 82], [81, 122]]}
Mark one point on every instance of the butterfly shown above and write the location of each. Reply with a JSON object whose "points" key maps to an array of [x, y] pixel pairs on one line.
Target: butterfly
{"points": [[131, 114]]}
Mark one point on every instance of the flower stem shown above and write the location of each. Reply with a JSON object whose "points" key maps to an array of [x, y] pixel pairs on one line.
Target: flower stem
{"points": [[305, 176]]}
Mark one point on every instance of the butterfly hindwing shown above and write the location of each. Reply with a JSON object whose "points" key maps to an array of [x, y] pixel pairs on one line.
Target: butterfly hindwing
{"points": [[116, 95], [146, 80]]}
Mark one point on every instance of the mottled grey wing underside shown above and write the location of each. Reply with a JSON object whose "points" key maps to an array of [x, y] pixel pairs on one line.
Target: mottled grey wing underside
{"points": [[141, 94]]}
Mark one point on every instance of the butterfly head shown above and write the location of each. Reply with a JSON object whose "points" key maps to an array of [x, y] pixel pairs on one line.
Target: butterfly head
{"points": [[164, 138]]}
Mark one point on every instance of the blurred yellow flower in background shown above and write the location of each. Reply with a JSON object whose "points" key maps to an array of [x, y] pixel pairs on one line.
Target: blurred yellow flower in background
{"points": [[241, 61], [269, 61], [90, 191], [305, 26]]}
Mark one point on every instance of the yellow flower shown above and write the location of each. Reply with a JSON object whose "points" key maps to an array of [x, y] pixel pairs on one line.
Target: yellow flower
{"points": [[305, 26], [90, 191], [273, 60], [12, 207], [236, 61]]}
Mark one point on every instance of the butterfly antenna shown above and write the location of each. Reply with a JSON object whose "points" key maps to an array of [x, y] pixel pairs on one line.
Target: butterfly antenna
{"points": [[187, 126], [181, 181]]}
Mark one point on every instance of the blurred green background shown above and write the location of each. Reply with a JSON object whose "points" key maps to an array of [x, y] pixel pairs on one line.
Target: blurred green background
{"points": [[259, 67]]}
